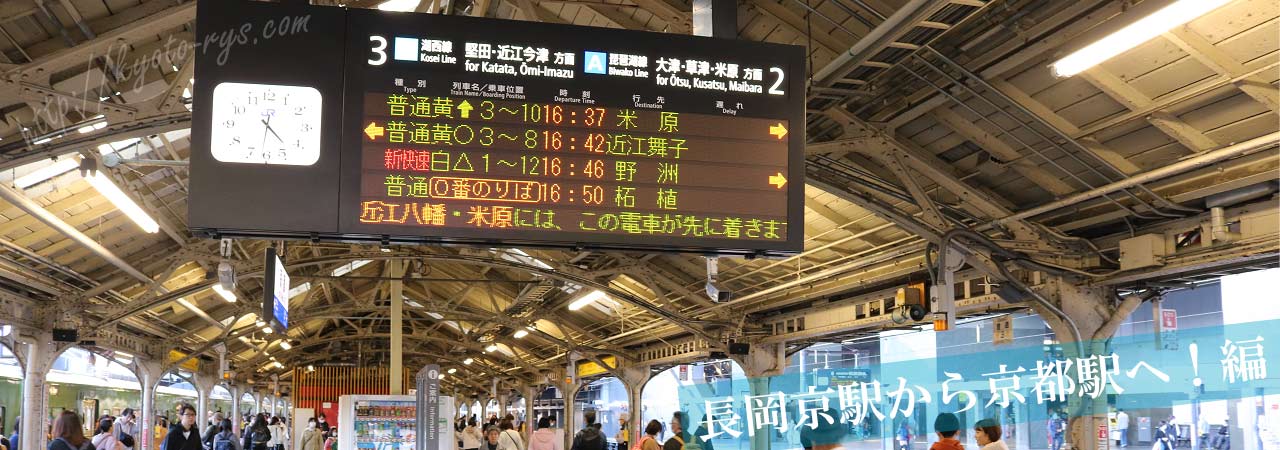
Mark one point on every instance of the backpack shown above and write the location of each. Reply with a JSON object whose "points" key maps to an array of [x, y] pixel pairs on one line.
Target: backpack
{"points": [[223, 441], [259, 439], [640, 445]]}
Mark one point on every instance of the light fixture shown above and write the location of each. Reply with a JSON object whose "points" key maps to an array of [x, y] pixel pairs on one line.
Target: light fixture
{"points": [[1142, 30], [311, 368], [62, 165], [468, 361], [125, 204], [266, 330], [259, 323], [520, 334], [226, 294], [453, 370], [286, 345], [399, 5], [491, 348], [589, 298], [442, 376]]}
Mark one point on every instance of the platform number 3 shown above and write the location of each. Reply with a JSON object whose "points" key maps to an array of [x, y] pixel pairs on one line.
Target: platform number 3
{"points": [[379, 50]]}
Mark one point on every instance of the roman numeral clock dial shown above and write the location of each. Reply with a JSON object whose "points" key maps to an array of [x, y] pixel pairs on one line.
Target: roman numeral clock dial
{"points": [[266, 124]]}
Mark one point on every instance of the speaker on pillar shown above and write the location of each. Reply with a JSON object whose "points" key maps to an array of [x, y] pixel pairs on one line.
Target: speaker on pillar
{"points": [[66, 335], [739, 348]]}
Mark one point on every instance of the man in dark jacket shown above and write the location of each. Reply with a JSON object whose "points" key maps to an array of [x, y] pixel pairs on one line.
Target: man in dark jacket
{"points": [[212, 431], [184, 435], [678, 436], [590, 438]]}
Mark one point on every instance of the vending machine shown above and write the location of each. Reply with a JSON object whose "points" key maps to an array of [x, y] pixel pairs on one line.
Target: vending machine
{"points": [[387, 422]]}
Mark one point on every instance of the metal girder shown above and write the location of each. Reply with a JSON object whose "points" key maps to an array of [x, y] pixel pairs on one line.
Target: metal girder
{"points": [[1210, 55], [615, 15], [677, 17], [533, 12], [41, 68], [797, 25], [1002, 150], [138, 128], [1133, 99]]}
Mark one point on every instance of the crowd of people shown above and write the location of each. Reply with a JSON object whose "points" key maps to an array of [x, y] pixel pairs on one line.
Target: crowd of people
{"points": [[258, 432]]}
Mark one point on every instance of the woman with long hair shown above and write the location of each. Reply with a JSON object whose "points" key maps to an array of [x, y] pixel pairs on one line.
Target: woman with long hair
{"points": [[68, 433], [258, 435]]}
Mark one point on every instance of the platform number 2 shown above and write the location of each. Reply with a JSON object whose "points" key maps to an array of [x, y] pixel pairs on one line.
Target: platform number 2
{"points": [[379, 50], [773, 90]]}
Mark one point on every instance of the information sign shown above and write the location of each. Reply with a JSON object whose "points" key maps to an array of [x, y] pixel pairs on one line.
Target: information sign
{"points": [[527, 134]]}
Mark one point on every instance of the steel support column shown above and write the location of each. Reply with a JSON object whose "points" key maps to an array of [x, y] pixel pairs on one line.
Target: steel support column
{"points": [[40, 354], [397, 327]]}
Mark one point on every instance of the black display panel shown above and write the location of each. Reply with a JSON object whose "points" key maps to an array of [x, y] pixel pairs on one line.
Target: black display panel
{"points": [[249, 56], [541, 134]]}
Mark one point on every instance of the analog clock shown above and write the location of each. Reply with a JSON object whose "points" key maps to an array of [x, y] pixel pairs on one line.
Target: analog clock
{"points": [[266, 124]]}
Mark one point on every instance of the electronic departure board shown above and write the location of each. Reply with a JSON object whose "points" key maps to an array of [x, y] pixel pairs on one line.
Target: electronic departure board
{"points": [[539, 134]]}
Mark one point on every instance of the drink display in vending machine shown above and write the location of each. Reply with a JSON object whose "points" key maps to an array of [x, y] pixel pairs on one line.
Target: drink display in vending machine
{"points": [[381, 424]]}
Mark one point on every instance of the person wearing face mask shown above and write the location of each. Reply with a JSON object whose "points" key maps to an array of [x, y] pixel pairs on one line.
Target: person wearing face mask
{"points": [[987, 433], [312, 437], [321, 424], [184, 435]]}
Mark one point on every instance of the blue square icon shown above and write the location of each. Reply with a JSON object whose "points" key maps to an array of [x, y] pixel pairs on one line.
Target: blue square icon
{"points": [[406, 49], [595, 62]]}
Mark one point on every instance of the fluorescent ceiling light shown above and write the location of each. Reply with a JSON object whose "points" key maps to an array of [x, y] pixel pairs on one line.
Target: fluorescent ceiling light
{"points": [[59, 167], [228, 295], [442, 376], [1143, 30], [399, 5], [286, 345], [349, 267], [245, 339], [435, 315], [453, 370], [520, 334], [125, 204], [491, 348], [266, 330], [468, 361], [299, 289], [589, 298]]}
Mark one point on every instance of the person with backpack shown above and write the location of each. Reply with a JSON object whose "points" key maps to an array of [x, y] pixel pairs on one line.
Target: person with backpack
{"points": [[184, 435], [650, 439], [545, 438], [105, 436], [207, 440], [590, 437], [225, 438], [68, 433], [508, 438], [258, 435]]}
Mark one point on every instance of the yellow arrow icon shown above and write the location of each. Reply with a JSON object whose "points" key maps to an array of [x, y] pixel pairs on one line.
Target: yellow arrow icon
{"points": [[373, 131], [778, 130], [778, 180], [464, 109]]}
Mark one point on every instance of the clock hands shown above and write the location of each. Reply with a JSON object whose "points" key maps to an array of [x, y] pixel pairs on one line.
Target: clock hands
{"points": [[267, 123]]}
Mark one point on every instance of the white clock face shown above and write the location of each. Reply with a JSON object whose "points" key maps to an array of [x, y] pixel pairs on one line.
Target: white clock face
{"points": [[266, 124]]}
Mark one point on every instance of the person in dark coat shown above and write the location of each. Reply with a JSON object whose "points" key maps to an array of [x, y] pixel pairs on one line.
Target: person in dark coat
{"points": [[184, 435]]}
